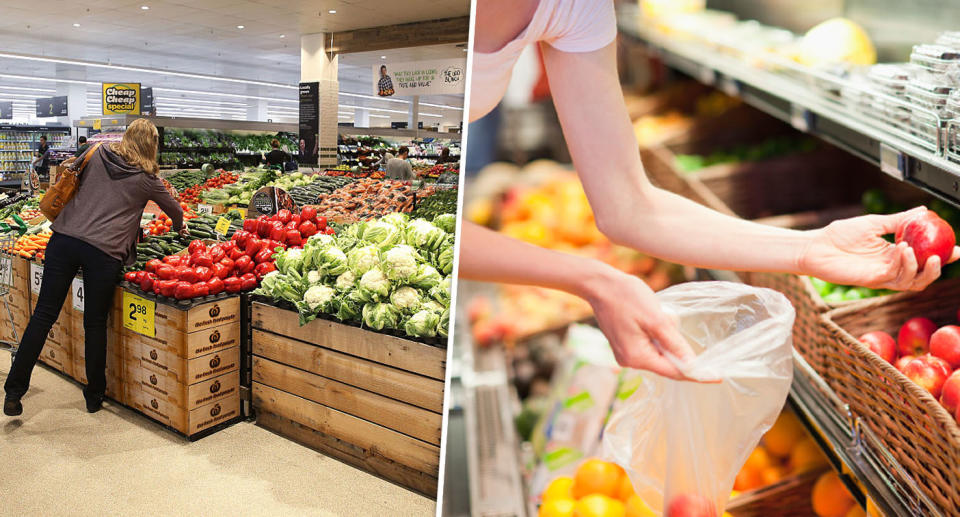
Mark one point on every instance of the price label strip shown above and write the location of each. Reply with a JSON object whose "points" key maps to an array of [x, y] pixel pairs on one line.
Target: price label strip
{"points": [[78, 294], [6, 271], [36, 277], [138, 314], [204, 209], [223, 226]]}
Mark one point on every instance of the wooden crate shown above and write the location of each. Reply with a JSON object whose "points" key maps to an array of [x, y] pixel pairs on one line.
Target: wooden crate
{"points": [[171, 318], [186, 396], [193, 344], [369, 399], [139, 353], [188, 422]]}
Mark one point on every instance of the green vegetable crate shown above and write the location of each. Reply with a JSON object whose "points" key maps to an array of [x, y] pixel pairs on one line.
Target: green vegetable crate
{"points": [[370, 399]]}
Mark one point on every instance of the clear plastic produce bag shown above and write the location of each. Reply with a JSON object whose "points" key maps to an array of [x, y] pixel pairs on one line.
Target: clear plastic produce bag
{"points": [[683, 443]]}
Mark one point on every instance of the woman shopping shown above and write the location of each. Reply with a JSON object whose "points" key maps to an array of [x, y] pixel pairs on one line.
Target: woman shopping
{"points": [[579, 53], [96, 235]]}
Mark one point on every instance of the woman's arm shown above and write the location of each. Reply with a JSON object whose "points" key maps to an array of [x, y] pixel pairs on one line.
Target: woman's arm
{"points": [[626, 309], [632, 212], [165, 201]]}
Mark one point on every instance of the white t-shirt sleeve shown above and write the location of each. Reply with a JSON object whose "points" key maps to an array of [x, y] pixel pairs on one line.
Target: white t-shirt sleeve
{"points": [[582, 25]]}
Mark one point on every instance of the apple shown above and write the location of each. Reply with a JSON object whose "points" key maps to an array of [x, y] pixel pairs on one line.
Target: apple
{"points": [[950, 395], [904, 359], [881, 343], [928, 235], [914, 336], [691, 505], [945, 344], [928, 372]]}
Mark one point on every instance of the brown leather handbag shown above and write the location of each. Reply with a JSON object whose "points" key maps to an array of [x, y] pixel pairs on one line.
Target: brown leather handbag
{"points": [[58, 195]]}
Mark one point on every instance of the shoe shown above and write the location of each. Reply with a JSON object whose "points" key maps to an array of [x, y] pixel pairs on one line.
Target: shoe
{"points": [[12, 407], [94, 405]]}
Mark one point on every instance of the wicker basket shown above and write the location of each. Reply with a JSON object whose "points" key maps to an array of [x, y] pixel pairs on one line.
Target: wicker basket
{"points": [[789, 497], [913, 426]]}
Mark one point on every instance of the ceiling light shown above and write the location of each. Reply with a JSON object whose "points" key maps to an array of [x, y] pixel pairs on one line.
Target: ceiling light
{"points": [[241, 27], [283, 35], [145, 7], [378, 116], [332, 11], [387, 99], [441, 106], [431, 115], [374, 109], [383, 57], [76, 24], [464, 49]]}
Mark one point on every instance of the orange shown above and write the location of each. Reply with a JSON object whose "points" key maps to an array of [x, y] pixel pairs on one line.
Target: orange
{"points": [[784, 434], [856, 511], [748, 479], [597, 505], [830, 497], [637, 508], [560, 488], [758, 459], [557, 508], [771, 474], [806, 456], [596, 477], [625, 490]]}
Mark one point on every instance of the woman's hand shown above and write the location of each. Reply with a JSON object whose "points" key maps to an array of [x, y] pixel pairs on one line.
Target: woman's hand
{"points": [[640, 333], [184, 232], [853, 252]]}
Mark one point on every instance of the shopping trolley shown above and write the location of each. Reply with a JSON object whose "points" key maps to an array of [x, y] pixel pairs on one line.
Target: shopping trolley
{"points": [[5, 243]]}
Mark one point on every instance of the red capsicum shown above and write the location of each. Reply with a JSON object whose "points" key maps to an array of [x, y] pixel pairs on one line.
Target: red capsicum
{"points": [[248, 281], [186, 274], [195, 246], [152, 265], [263, 255], [250, 225], [184, 291], [244, 264], [221, 271], [130, 277], [284, 216], [307, 228], [201, 259], [233, 284], [217, 253], [146, 283], [263, 269], [293, 238], [203, 273], [277, 231], [308, 213], [253, 246], [168, 287], [215, 286]]}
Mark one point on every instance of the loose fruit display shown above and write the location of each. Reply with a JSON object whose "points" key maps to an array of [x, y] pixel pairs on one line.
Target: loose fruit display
{"points": [[914, 336], [597, 489], [830, 496], [786, 449], [881, 343]]}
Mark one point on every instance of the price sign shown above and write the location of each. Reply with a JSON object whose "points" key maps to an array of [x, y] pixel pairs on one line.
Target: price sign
{"points": [[241, 211], [78, 294], [138, 314], [204, 209], [6, 271], [223, 225], [36, 277]]}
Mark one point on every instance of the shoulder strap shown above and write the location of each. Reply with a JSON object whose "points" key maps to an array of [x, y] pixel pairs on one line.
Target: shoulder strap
{"points": [[86, 158]]}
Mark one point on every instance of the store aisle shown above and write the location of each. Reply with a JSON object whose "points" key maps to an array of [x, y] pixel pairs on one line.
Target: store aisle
{"points": [[59, 460]]}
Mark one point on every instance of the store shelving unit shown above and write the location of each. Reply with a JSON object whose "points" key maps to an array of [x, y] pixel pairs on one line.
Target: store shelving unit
{"points": [[18, 145], [795, 95], [788, 92]]}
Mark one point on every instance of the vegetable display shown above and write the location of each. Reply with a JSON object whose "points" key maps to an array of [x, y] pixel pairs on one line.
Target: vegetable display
{"points": [[441, 202], [31, 246], [390, 274], [193, 194], [307, 194], [769, 148], [367, 199]]}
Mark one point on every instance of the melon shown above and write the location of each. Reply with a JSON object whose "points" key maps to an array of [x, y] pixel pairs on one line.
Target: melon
{"points": [[837, 40]]}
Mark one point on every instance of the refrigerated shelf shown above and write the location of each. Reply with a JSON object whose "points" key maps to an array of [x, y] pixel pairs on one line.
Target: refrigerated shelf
{"points": [[783, 89]]}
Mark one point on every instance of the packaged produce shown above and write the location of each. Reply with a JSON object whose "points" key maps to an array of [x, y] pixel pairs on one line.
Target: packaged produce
{"points": [[683, 443], [935, 58]]}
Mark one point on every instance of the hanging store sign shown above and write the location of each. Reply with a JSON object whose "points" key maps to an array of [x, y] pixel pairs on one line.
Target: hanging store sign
{"points": [[121, 98], [6, 110], [435, 77], [52, 107], [309, 123], [147, 106]]}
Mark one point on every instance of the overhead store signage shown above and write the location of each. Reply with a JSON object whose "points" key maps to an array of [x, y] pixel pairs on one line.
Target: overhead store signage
{"points": [[52, 107], [147, 106], [121, 98], [6, 110], [309, 123], [435, 77]]}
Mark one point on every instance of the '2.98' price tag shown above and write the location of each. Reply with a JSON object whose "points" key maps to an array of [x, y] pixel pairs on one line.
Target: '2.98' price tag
{"points": [[138, 314], [78, 294], [36, 277]]}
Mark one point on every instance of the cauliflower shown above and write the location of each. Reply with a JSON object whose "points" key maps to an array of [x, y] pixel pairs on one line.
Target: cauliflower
{"points": [[374, 286], [379, 316], [361, 260], [422, 234], [346, 281], [314, 277], [400, 262], [426, 277], [422, 324], [319, 298], [406, 298]]}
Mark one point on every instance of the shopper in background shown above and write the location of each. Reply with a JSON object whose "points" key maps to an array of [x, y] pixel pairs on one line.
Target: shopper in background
{"points": [[82, 146], [276, 156], [577, 40], [42, 160], [444, 155], [399, 168], [96, 234]]}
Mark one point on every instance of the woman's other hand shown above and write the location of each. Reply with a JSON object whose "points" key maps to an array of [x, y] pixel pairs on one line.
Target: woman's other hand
{"points": [[640, 333], [853, 252], [184, 232]]}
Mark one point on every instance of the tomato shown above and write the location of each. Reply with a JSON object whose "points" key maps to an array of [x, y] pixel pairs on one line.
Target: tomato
{"points": [[233, 284]]}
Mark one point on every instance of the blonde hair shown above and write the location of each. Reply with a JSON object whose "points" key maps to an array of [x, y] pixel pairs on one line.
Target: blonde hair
{"points": [[139, 146]]}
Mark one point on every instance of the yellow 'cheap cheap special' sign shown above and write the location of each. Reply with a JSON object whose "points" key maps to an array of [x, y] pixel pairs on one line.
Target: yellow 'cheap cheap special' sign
{"points": [[138, 314], [121, 98]]}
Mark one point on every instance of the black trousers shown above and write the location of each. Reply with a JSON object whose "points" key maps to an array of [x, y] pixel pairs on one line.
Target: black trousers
{"points": [[65, 256]]}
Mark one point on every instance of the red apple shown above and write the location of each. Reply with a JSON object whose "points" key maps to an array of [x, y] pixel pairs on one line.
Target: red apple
{"points": [[904, 359], [945, 344], [928, 235], [914, 336], [881, 343], [928, 372], [691, 505], [950, 395]]}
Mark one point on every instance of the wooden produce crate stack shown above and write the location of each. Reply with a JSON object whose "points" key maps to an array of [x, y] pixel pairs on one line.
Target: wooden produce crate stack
{"points": [[114, 370], [58, 350], [186, 374], [14, 273], [369, 399]]}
